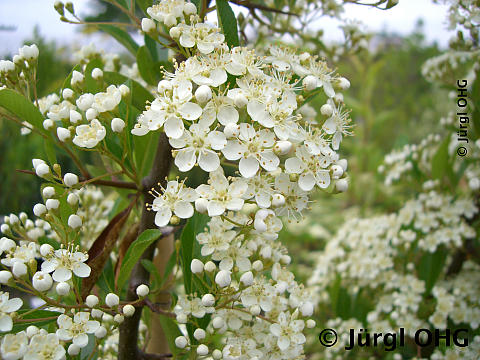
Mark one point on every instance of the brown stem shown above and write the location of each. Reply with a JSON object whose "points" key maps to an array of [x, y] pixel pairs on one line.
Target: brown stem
{"points": [[250, 5], [128, 342]]}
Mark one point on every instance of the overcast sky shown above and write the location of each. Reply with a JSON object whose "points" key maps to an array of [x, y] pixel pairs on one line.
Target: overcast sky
{"points": [[25, 14]]}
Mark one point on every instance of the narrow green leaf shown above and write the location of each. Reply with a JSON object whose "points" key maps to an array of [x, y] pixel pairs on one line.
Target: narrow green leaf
{"points": [[144, 5], [87, 350], [122, 37], [152, 269], [146, 66], [35, 316], [21, 107], [189, 247], [136, 249], [50, 151], [145, 151], [228, 23], [431, 266], [440, 160], [152, 47]]}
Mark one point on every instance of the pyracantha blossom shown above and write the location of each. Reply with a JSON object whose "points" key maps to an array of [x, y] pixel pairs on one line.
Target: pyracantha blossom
{"points": [[175, 199], [88, 136], [8, 306], [65, 261], [76, 329]]}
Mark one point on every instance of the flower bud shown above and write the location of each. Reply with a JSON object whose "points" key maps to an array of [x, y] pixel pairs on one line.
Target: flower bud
{"points": [[97, 73], [474, 183], [255, 310], [29, 52], [282, 147], [77, 78], [42, 170], [91, 301], [48, 192], [32, 330], [326, 110], [39, 210], [67, 93], [42, 281], [210, 266], [257, 265], [175, 32], [74, 221], [112, 300], [170, 20], [310, 323], [201, 205], [307, 309], [341, 185], [247, 278], [5, 276], [97, 314], [70, 179], [128, 310], [208, 300], [62, 288], [73, 350], [118, 318], [52, 204], [189, 8], [72, 199], [85, 101], [310, 82], [203, 94], [343, 163], [63, 134], [148, 25], [231, 130], [218, 322], [202, 350], [182, 319], [217, 354], [48, 124], [124, 90], [142, 290], [343, 83], [337, 171], [278, 200], [117, 125], [180, 342], [196, 266], [91, 114], [338, 98], [199, 334], [46, 249], [223, 278], [101, 332]]}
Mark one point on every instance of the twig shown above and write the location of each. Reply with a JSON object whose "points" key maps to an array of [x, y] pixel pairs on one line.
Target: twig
{"points": [[250, 5]]}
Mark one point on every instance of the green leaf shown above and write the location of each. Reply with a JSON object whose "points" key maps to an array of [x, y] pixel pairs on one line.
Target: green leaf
{"points": [[92, 85], [34, 317], [145, 151], [440, 160], [50, 151], [87, 350], [144, 5], [146, 66], [152, 47], [68, 79], [138, 93], [136, 249], [228, 22], [189, 247], [171, 331], [21, 107], [46, 240], [121, 36], [152, 269], [431, 266]]}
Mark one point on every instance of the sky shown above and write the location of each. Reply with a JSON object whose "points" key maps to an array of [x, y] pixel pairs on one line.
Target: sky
{"points": [[401, 19]]}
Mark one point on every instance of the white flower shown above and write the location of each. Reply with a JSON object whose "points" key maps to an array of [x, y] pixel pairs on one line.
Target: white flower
{"points": [[117, 125], [337, 125], [8, 306], [169, 110], [74, 221], [223, 278], [215, 240], [148, 25], [260, 187], [187, 307], [221, 194], [295, 199], [76, 329], [88, 136], [176, 198], [204, 36], [267, 224], [259, 293], [45, 347], [142, 290], [28, 52], [311, 169], [253, 149], [63, 262], [220, 108], [14, 346], [198, 144], [107, 101], [288, 331]]}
